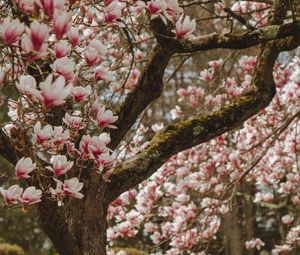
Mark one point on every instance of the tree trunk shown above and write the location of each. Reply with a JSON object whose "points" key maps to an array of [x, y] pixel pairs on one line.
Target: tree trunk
{"points": [[79, 227]]}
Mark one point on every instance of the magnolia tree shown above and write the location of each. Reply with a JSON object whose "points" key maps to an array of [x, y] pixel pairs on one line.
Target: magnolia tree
{"points": [[76, 79]]}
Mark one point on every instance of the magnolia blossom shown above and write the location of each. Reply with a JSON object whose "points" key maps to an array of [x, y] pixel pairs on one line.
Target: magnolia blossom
{"points": [[96, 146], [102, 73], [156, 6], [33, 42], [94, 52], [92, 147], [12, 195], [73, 122], [184, 27], [113, 11], [53, 93], [37, 35], [173, 9], [65, 67], [103, 160], [69, 188], [62, 49], [62, 23], [80, 94], [26, 84], [24, 167], [48, 6], [281, 249], [72, 187], [11, 30], [254, 243], [73, 36], [31, 195], [60, 165], [26, 6], [42, 134], [83, 145], [105, 118], [60, 136]]}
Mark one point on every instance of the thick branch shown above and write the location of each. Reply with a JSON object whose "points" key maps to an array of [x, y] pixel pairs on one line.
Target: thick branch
{"points": [[149, 88], [239, 41], [54, 225]]}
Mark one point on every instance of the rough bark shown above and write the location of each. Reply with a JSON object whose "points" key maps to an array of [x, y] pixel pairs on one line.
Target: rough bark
{"points": [[237, 41]]}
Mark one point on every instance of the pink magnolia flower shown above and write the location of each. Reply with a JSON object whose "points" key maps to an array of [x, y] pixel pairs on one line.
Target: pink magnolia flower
{"points": [[62, 23], [31, 195], [105, 118], [60, 136], [12, 195], [74, 36], [173, 9], [62, 49], [42, 134], [65, 67], [26, 84], [27, 46], [24, 167], [73, 122], [113, 11], [94, 52], [96, 146], [69, 188], [103, 160], [60, 165], [53, 93], [254, 243], [83, 145], [48, 6], [25, 5], [72, 187], [38, 34], [156, 6], [80, 94], [185, 27], [91, 56], [281, 249], [11, 30], [102, 73]]}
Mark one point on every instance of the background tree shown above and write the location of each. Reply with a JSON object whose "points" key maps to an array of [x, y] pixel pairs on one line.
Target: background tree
{"points": [[77, 78]]}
